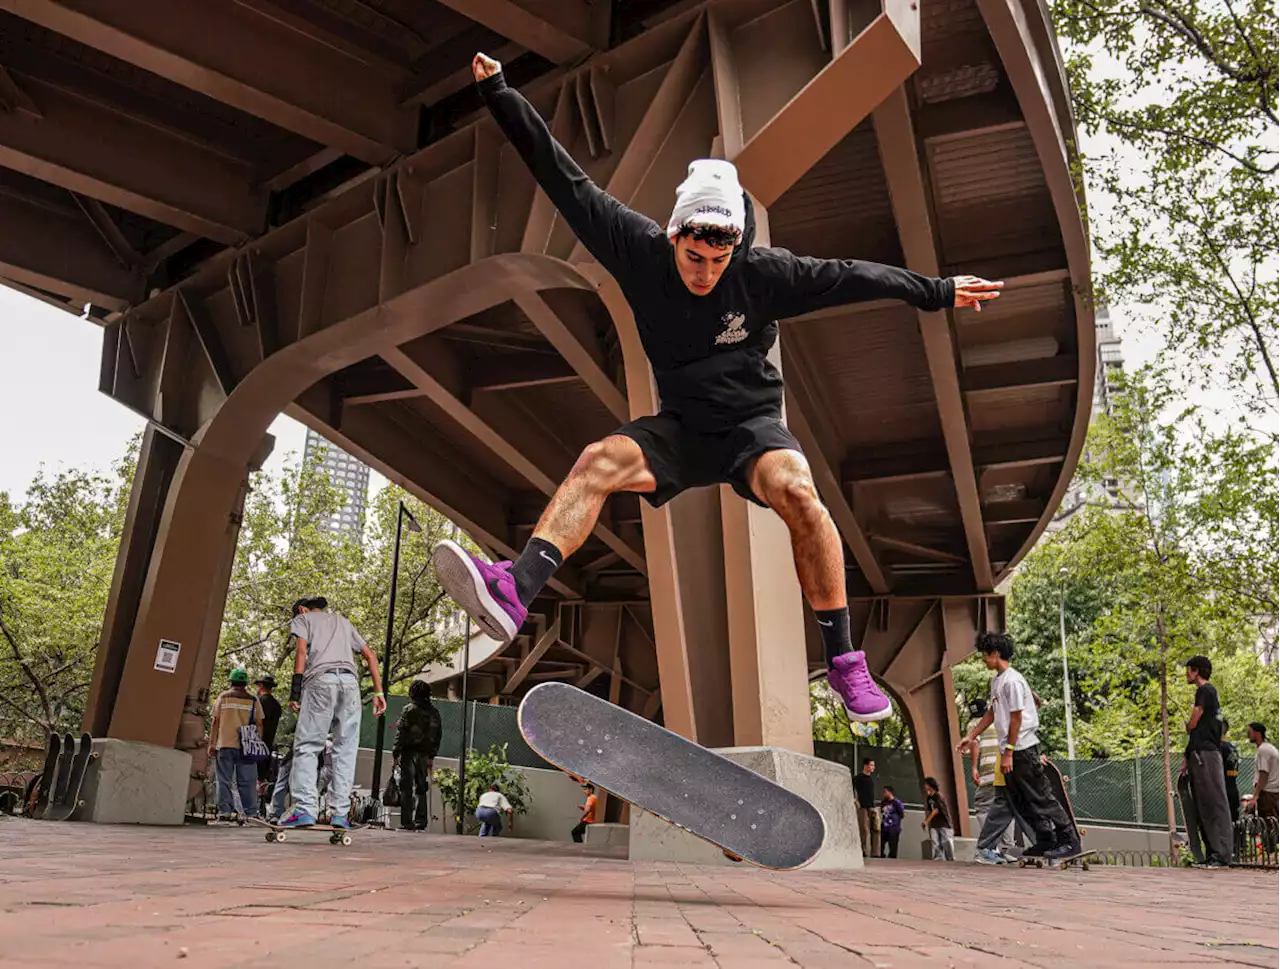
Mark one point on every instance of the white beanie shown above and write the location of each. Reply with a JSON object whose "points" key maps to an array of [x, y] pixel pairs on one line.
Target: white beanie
{"points": [[710, 196]]}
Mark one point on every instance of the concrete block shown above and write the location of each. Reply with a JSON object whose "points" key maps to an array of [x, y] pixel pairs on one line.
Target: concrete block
{"points": [[608, 835], [135, 783], [824, 784]]}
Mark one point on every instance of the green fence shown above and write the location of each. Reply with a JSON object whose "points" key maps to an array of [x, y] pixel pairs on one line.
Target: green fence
{"points": [[488, 725], [1125, 793]]}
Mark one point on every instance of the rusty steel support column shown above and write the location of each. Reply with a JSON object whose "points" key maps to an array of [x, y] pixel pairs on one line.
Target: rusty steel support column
{"points": [[191, 728], [186, 580], [685, 557], [911, 647], [157, 459]]}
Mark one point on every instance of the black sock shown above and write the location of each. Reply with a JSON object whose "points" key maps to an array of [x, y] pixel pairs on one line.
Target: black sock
{"points": [[536, 564], [834, 626]]}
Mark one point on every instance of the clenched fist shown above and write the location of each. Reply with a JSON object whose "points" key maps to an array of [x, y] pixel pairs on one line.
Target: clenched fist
{"points": [[483, 66]]}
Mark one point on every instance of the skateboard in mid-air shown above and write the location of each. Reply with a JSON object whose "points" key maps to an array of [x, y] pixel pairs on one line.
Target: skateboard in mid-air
{"points": [[337, 836], [73, 766], [744, 814]]}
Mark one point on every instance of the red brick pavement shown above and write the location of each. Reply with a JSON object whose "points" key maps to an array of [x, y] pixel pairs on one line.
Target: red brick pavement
{"points": [[88, 896]]}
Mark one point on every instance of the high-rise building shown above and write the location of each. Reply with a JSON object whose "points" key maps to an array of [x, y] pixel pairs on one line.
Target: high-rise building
{"points": [[1110, 361], [349, 474]]}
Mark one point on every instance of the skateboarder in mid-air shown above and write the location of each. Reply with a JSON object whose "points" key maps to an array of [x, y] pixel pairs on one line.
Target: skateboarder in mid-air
{"points": [[1013, 710], [706, 305]]}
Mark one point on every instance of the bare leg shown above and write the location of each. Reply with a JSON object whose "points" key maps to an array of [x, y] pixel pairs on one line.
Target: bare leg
{"points": [[781, 479], [614, 464]]}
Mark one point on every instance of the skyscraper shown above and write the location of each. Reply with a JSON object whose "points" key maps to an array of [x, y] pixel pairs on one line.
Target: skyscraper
{"points": [[349, 474]]}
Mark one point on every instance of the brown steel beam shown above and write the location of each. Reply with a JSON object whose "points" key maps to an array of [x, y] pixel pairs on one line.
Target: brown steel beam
{"points": [[933, 464], [519, 370], [900, 157], [921, 551], [417, 373], [562, 31], [94, 151], [1060, 371], [572, 336], [232, 53], [59, 251], [110, 232], [831, 105], [1023, 512], [545, 642]]}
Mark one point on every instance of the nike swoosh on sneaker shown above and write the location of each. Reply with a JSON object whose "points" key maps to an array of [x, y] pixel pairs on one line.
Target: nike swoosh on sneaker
{"points": [[497, 593]]}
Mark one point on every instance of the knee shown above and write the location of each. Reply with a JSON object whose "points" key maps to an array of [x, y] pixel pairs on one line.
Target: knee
{"points": [[603, 465], [795, 498]]}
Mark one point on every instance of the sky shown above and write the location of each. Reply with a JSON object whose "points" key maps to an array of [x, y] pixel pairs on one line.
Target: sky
{"points": [[53, 414]]}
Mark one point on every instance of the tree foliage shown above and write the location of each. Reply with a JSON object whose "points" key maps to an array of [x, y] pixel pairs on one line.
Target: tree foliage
{"points": [[483, 770], [1185, 563], [285, 554], [57, 554], [1184, 213]]}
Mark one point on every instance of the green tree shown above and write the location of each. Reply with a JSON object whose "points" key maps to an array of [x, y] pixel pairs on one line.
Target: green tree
{"points": [[1184, 213], [285, 553], [57, 554], [483, 771]]}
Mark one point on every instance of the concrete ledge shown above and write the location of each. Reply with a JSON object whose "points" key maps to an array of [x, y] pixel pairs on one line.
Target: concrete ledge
{"points": [[608, 835], [824, 784], [135, 783]]}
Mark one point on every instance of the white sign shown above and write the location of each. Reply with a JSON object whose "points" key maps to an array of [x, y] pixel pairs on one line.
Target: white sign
{"points": [[167, 656]]}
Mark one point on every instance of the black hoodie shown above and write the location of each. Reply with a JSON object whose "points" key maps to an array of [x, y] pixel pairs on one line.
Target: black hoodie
{"points": [[708, 352]]}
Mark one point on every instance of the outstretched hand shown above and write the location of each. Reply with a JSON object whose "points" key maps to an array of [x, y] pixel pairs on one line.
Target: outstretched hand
{"points": [[483, 66], [974, 291]]}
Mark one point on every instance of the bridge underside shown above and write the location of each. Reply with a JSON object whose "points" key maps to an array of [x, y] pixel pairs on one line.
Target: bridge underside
{"points": [[298, 206]]}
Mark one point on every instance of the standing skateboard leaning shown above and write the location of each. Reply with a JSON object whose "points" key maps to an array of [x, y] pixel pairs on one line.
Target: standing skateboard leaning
{"points": [[707, 305]]}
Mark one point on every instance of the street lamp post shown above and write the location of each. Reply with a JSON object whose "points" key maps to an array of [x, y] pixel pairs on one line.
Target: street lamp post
{"points": [[401, 514], [1066, 676], [462, 751]]}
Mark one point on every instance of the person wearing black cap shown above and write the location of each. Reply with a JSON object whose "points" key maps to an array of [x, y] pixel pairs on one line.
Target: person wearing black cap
{"points": [[271, 710]]}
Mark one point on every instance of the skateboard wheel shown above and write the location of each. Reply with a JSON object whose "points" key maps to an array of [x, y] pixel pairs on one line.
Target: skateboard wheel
{"points": [[346, 839], [1039, 863], [279, 836], [270, 836], [1084, 865]]}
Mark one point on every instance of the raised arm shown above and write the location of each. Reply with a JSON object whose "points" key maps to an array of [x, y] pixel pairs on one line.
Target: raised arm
{"points": [[611, 232], [794, 285]]}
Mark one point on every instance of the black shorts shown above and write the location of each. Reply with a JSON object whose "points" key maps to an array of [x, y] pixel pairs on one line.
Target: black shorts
{"points": [[681, 458]]}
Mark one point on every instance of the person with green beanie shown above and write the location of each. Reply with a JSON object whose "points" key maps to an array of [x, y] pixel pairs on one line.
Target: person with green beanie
{"points": [[234, 708]]}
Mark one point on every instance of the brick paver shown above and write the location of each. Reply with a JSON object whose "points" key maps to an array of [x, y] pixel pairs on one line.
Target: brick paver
{"points": [[89, 896]]}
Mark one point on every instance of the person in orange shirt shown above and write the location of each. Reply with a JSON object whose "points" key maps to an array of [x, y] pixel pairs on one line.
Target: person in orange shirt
{"points": [[588, 813]]}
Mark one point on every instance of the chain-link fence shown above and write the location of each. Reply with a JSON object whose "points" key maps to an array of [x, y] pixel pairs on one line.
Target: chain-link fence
{"points": [[487, 725], [1121, 793]]}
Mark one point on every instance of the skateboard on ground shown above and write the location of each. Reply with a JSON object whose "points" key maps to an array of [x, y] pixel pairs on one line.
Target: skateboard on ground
{"points": [[63, 775], [337, 836], [747, 816], [45, 786], [75, 765], [1059, 789]]}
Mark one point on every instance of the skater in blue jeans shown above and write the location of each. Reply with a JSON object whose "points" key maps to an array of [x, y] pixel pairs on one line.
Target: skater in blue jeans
{"points": [[326, 695]]}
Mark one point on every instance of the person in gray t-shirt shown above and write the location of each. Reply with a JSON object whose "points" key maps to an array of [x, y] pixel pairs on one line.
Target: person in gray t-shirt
{"points": [[326, 693]]}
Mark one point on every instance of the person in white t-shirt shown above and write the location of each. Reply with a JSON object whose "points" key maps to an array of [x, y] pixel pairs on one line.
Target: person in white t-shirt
{"points": [[1013, 710], [1266, 782], [492, 805]]}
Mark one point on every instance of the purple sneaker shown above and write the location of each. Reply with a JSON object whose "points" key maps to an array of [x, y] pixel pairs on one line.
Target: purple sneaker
{"points": [[850, 677], [487, 593]]}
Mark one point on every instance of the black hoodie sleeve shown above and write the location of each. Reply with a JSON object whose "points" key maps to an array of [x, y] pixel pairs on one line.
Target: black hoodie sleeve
{"points": [[613, 233], [794, 285]]}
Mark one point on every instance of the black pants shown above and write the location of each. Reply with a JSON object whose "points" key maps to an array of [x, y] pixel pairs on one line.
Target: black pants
{"points": [[577, 833], [415, 783], [1028, 785], [889, 843], [1209, 788]]}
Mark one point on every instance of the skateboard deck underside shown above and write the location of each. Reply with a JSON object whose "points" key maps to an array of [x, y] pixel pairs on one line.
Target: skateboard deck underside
{"points": [[687, 785]]}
